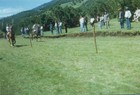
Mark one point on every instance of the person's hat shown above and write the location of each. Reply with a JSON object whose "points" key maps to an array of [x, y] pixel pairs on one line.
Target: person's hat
{"points": [[126, 8]]}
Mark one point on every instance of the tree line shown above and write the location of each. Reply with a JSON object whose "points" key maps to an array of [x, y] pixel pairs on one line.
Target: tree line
{"points": [[68, 14]]}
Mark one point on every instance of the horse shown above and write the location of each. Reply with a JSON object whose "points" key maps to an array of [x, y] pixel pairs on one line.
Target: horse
{"points": [[11, 38], [36, 32]]}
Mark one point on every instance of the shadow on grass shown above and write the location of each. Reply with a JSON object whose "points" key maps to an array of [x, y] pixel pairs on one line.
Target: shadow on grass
{"points": [[40, 41], [20, 45], [0, 58]]}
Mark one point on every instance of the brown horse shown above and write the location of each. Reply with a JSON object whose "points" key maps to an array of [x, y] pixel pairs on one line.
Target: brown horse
{"points": [[35, 33], [11, 38]]}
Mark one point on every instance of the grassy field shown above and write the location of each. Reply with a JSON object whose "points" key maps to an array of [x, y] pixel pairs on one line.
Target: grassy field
{"points": [[70, 66]]}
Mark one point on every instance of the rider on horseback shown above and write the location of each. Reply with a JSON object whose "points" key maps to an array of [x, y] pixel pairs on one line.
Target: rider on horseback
{"points": [[10, 35], [8, 29]]}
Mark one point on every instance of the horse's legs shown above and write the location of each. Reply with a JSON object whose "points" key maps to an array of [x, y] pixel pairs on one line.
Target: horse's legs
{"points": [[10, 41], [8, 38], [13, 41], [36, 37]]}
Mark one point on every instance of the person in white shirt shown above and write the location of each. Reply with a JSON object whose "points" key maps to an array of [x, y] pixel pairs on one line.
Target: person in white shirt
{"points": [[60, 27], [106, 20], [128, 16], [101, 22], [41, 30], [56, 27], [81, 20], [8, 30], [92, 21]]}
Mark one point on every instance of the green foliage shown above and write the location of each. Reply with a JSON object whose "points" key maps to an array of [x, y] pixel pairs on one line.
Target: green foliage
{"points": [[1, 34]]}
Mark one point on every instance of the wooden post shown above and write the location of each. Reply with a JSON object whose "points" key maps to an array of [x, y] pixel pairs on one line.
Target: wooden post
{"points": [[30, 40], [94, 35]]}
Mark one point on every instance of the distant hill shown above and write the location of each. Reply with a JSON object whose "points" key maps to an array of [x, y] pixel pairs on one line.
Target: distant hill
{"points": [[46, 5], [22, 18], [68, 11]]}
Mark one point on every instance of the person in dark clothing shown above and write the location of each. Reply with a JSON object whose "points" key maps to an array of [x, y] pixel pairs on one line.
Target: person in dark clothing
{"points": [[86, 22], [66, 26], [51, 27], [121, 18]]}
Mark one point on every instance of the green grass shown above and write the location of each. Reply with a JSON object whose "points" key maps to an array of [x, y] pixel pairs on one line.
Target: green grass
{"points": [[70, 66]]}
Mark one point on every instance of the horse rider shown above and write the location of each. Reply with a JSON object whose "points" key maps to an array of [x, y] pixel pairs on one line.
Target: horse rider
{"points": [[8, 30]]}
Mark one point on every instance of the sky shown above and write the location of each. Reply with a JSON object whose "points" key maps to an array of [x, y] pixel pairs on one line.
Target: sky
{"points": [[11, 7]]}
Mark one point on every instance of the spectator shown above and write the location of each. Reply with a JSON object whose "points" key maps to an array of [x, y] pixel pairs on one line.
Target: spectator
{"points": [[101, 22], [51, 27], [128, 16], [106, 20], [60, 27], [66, 26], [81, 20], [41, 30], [92, 21], [121, 18], [22, 31], [86, 23], [56, 27]]}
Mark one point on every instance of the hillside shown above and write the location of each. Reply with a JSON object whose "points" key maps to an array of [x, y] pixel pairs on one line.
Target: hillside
{"points": [[37, 14], [67, 11]]}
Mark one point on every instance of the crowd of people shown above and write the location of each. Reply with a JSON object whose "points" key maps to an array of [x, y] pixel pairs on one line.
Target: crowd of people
{"points": [[39, 29], [103, 20], [124, 15]]}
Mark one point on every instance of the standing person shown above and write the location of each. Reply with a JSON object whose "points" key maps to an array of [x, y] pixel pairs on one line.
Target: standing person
{"points": [[60, 27], [41, 30], [22, 31], [92, 21], [86, 23], [98, 18], [51, 27], [121, 18], [66, 26], [101, 22], [128, 16], [106, 20], [81, 20], [56, 27], [27, 30]]}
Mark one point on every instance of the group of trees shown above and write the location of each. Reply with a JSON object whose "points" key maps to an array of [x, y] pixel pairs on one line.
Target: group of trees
{"points": [[44, 14], [97, 7]]}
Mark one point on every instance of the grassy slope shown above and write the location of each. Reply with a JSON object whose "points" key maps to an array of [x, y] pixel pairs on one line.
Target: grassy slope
{"points": [[70, 66], [71, 4]]}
